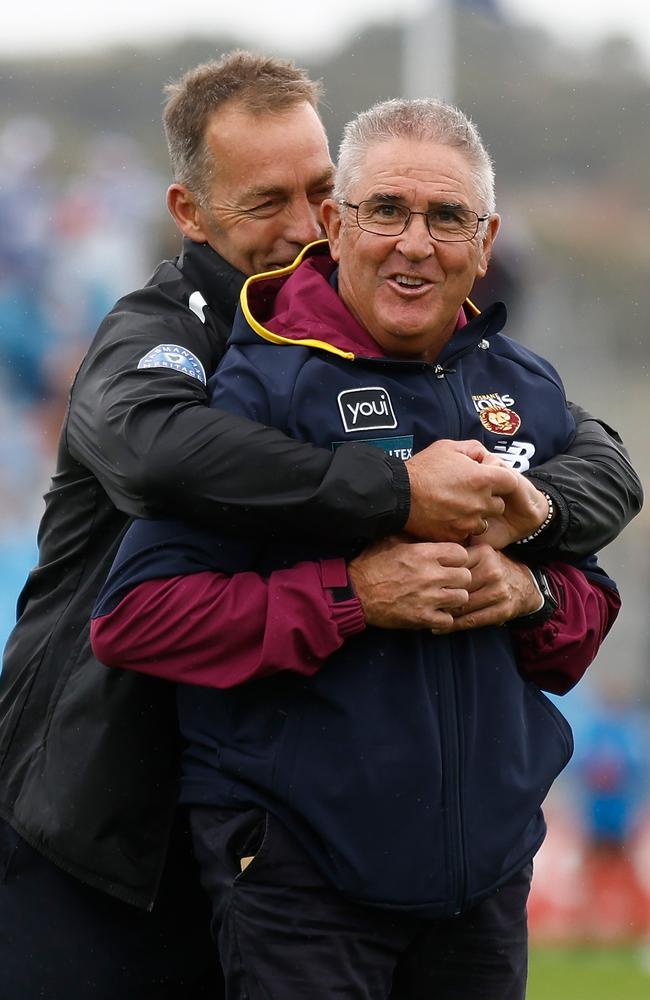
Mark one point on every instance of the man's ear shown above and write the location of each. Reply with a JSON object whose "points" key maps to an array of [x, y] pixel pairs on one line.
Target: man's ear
{"points": [[331, 215], [486, 250], [186, 213]]}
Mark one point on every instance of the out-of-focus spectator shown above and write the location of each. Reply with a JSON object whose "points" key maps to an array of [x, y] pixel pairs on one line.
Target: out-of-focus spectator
{"points": [[611, 763], [25, 204], [612, 769], [68, 250], [23, 457], [104, 225], [592, 875]]}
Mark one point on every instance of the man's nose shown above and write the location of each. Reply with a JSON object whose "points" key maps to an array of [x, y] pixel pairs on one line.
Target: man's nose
{"points": [[416, 242], [303, 225]]}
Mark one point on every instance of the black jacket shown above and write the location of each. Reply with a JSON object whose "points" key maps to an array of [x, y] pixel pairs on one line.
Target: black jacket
{"points": [[88, 756]]}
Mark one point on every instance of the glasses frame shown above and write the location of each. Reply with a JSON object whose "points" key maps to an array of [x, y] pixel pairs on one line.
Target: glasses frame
{"points": [[438, 239]]}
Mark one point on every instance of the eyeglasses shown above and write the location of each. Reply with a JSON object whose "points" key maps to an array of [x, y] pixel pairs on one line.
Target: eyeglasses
{"points": [[448, 224]]}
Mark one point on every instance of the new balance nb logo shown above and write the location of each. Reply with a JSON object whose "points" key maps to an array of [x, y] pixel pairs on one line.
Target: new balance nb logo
{"points": [[517, 453]]}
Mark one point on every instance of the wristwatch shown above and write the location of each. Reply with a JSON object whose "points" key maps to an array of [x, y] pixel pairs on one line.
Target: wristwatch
{"points": [[547, 593]]}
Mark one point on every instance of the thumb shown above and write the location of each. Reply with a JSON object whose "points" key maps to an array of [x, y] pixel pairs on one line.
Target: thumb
{"points": [[502, 478]]}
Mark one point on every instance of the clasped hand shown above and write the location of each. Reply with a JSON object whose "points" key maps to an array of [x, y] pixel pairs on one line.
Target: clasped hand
{"points": [[456, 486], [442, 586], [459, 579]]}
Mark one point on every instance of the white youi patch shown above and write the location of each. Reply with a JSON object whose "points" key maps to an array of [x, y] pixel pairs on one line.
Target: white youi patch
{"points": [[367, 409]]}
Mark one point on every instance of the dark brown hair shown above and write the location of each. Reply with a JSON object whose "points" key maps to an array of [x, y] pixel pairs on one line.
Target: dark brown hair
{"points": [[261, 84]]}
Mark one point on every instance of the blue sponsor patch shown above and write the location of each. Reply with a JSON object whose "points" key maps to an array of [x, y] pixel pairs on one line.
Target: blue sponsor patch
{"points": [[173, 356], [398, 447]]}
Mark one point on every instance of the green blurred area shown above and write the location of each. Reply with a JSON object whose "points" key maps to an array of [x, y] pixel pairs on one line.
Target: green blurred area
{"points": [[589, 973]]}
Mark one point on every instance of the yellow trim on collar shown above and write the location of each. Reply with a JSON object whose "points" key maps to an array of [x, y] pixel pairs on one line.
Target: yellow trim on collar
{"points": [[276, 338]]}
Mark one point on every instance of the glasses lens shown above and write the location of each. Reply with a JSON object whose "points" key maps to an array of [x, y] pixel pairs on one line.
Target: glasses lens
{"points": [[382, 218], [452, 225], [448, 224]]}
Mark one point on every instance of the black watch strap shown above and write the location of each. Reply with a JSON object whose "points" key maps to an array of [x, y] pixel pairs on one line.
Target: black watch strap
{"points": [[548, 608]]}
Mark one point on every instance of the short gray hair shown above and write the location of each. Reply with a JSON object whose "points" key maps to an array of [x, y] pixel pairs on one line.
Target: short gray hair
{"points": [[425, 119]]}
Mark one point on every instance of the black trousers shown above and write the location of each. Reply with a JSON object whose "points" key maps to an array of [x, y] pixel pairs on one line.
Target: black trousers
{"points": [[283, 934], [61, 940]]}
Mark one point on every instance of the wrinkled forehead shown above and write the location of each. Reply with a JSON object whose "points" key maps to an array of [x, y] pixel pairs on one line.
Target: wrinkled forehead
{"points": [[414, 167], [269, 151]]}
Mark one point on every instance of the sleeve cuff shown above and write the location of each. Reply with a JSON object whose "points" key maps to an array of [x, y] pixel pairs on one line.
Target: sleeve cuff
{"points": [[402, 488], [345, 606], [548, 539]]}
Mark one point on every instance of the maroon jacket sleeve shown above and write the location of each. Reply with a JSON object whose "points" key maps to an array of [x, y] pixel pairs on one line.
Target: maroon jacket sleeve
{"points": [[219, 631], [556, 654]]}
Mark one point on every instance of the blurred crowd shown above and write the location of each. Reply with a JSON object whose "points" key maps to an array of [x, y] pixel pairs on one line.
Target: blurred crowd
{"points": [[68, 250]]}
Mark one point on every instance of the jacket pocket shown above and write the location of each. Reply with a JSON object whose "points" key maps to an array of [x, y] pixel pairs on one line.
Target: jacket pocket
{"points": [[253, 850]]}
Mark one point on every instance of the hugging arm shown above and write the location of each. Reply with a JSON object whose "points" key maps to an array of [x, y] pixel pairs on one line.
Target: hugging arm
{"points": [[594, 487]]}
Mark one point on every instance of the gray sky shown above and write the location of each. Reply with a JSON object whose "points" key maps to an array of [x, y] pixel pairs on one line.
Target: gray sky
{"points": [[65, 26]]}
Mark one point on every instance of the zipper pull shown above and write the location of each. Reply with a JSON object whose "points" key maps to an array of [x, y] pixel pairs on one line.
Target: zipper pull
{"points": [[440, 371]]}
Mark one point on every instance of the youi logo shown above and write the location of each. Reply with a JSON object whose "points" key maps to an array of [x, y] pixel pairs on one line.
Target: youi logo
{"points": [[367, 409]]}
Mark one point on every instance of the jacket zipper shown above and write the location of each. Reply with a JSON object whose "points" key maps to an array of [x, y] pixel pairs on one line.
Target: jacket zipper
{"points": [[451, 736], [452, 761], [449, 681]]}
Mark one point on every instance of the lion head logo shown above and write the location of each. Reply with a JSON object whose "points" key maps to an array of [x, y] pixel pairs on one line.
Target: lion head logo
{"points": [[499, 420]]}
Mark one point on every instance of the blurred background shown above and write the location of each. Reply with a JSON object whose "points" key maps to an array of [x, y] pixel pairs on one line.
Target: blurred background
{"points": [[561, 94]]}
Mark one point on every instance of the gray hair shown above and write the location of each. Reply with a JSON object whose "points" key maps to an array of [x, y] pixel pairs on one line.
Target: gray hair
{"points": [[425, 119]]}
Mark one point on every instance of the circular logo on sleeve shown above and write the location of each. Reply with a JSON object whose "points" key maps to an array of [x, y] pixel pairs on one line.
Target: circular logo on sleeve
{"points": [[174, 356]]}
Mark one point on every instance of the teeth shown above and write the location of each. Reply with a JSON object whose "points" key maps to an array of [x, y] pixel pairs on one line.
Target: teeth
{"points": [[404, 279]]}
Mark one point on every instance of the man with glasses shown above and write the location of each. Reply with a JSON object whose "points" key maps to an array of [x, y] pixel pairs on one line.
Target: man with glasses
{"points": [[366, 752]]}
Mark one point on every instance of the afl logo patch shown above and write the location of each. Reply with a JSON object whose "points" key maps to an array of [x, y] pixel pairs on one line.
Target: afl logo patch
{"points": [[173, 356], [499, 420], [368, 409]]}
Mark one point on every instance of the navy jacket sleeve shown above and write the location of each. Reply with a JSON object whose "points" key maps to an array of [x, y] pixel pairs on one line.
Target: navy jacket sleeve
{"points": [[556, 653]]}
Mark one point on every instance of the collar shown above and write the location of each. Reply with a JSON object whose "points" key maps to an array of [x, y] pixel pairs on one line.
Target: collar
{"points": [[299, 304], [218, 281]]}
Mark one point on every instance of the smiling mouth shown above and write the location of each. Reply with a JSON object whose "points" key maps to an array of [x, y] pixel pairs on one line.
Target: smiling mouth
{"points": [[408, 281], [409, 286]]}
